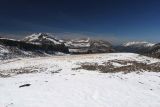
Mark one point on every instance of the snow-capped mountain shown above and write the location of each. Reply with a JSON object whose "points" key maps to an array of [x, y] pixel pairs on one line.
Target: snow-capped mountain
{"points": [[135, 47], [155, 51], [34, 45], [87, 45], [138, 44], [47, 41], [42, 38], [78, 43], [144, 48], [44, 43], [40, 44]]}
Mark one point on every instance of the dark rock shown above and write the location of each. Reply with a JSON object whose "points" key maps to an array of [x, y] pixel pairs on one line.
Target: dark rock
{"points": [[25, 85]]}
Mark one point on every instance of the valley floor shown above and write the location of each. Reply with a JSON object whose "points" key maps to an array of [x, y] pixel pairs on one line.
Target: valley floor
{"points": [[54, 81]]}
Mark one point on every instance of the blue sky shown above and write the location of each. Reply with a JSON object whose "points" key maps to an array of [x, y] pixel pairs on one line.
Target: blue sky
{"points": [[121, 19]]}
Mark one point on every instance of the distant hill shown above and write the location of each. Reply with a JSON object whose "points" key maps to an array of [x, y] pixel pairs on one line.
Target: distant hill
{"points": [[155, 51], [138, 44], [144, 48], [135, 47], [87, 45]]}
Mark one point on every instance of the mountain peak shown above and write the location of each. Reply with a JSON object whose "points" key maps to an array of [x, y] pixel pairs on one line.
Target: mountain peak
{"points": [[39, 38]]}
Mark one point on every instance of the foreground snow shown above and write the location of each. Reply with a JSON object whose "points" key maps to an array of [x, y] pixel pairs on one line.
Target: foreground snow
{"points": [[79, 88]]}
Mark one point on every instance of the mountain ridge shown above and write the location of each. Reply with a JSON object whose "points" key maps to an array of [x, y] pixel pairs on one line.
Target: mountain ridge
{"points": [[41, 44]]}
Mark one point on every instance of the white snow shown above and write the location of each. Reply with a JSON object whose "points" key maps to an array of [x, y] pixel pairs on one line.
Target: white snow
{"points": [[3, 50], [78, 44], [79, 88], [35, 37], [145, 44], [8, 39], [78, 50], [54, 41]]}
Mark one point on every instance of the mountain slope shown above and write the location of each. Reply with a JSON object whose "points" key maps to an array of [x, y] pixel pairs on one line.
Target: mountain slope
{"points": [[87, 45], [10, 52], [47, 42], [3, 51], [30, 47], [135, 47], [155, 51]]}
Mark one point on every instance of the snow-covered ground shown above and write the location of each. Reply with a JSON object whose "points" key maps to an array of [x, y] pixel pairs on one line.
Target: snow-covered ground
{"points": [[57, 84]]}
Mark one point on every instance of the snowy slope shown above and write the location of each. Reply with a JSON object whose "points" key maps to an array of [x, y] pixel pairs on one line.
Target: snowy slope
{"points": [[10, 52], [57, 84], [3, 49]]}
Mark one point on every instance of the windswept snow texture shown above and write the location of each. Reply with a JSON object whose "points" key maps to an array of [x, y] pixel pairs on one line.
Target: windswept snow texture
{"points": [[59, 85]]}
